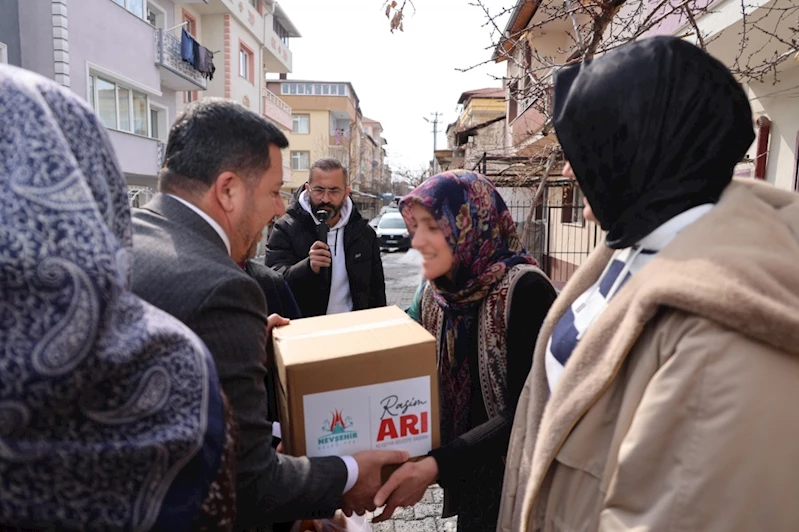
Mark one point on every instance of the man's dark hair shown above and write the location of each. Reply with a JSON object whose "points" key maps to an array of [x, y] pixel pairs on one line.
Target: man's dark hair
{"points": [[328, 164], [213, 136]]}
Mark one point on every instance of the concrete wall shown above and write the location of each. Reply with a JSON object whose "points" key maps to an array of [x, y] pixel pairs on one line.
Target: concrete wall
{"points": [[315, 142], [9, 31], [213, 29], [122, 44], [36, 37], [241, 89], [137, 156], [780, 103]]}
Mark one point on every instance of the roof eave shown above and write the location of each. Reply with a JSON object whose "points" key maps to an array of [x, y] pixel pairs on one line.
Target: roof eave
{"points": [[513, 26], [286, 22]]}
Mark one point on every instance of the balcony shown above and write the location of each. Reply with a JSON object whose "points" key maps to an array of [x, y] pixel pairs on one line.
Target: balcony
{"points": [[276, 109], [277, 57], [176, 74], [277, 29]]}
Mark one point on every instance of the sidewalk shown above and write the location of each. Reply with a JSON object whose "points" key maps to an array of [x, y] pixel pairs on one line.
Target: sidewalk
{"points": [[424, 517]]}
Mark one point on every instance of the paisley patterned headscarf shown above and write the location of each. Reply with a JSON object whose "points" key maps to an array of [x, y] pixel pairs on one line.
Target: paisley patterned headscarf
{"points": [[110, 411], [485, 244]]}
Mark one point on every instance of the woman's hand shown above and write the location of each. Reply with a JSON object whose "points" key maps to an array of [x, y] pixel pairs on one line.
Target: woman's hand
{"points": [[406, 486]]}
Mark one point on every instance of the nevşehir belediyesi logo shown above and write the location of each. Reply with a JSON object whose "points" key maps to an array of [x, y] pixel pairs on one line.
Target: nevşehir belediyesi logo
{"points": [[337, 429]]}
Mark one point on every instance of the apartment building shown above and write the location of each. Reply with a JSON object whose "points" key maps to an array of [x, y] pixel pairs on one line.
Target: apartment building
{"points": [[327, 122], [478, 130], [124, 57]]}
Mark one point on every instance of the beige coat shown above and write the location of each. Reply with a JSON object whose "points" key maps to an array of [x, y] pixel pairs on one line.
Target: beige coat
{"points": [[678, 408]]}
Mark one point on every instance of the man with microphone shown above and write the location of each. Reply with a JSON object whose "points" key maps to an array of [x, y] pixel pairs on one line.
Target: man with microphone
{"points": [[325, 249]]}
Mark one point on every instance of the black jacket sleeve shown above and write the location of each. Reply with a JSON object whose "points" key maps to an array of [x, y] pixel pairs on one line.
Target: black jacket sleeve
{"points": [[532, 298], [280, 256], [270, 487], [377, 290]]}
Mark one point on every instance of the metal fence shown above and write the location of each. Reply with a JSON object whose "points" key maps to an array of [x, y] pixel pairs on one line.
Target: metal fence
{"points": [[559, 238]]}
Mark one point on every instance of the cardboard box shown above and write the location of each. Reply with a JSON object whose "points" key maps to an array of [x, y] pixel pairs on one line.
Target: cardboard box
{"points": [[358, 381]]}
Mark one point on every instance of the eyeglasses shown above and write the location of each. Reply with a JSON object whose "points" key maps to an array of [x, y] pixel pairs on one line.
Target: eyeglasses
{"points": [[334, 192]]}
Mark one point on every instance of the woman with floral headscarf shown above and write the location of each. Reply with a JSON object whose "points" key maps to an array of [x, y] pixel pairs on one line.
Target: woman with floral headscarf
{"points": [[484, 301], [111, 413]]}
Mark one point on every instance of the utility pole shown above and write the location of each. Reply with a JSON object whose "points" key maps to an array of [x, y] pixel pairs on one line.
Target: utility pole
{"points": [[434, 121]]}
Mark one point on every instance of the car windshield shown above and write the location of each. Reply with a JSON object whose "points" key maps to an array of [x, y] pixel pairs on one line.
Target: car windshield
{"points": [[391, 222]]}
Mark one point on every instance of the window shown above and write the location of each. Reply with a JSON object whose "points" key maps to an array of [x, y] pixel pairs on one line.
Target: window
{"points": [[134, 6], [392, 222], [513, 106], [91, 92], [3, 54], [300, 160], [321, 89], [190, 96], [140, 111], [280, 31], [246, 64], [119, 107], [106, 102], [572, 202], [191, 23], [159, 127], [156, 16], [154, 123], [301, 124]]}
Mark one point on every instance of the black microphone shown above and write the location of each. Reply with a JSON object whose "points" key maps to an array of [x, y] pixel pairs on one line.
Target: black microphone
{"points": [[321, 232]]}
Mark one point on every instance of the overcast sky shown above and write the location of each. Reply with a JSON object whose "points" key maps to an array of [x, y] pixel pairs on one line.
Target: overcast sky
{"points": [[402, 77]]}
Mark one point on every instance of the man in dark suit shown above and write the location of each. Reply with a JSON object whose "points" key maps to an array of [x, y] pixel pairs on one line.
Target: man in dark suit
{"points": [[219, 187]]}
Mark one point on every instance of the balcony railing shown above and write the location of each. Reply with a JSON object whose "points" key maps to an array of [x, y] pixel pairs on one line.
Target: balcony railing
{"points": [[138, 196], [274, 98], [176, 73], [276, 109]]}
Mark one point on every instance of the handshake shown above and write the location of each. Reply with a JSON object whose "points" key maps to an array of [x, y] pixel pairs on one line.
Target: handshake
{"points": [[405, 487]]}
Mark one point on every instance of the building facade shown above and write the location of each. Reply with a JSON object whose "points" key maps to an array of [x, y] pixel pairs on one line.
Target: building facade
{"points": [[327, 122], [124, 57]]}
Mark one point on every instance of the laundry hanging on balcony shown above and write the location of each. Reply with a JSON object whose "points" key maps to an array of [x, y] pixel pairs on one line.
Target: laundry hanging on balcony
{"points": [[187, 43], [198, 56], [206, 63]]}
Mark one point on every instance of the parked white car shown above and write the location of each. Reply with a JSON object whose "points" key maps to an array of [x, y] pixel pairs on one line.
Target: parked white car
{"points": [[393, 233]]}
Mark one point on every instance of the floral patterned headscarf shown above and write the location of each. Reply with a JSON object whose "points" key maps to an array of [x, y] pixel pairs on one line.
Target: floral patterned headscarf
{"points": [[485, 244]]}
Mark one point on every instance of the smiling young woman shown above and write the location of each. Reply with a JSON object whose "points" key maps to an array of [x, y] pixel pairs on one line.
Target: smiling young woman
{"points": [[484, 300]]}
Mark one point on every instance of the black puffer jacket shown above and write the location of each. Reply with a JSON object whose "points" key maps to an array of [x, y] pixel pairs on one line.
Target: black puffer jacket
{"points": [[287, 253]]}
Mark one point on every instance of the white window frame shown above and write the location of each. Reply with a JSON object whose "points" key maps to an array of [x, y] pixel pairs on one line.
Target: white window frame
{"points": [[161, 13], [3, 54], [125, 4], [296, 122], [161, 109], [244, 63], [299, 160], [131, 87]]}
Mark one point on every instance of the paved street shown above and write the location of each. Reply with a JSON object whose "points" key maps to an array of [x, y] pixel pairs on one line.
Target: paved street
{"points": [[402, 272]]}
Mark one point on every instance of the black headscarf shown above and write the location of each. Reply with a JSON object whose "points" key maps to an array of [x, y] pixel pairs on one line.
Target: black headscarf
{"points": [[651, 129]]}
